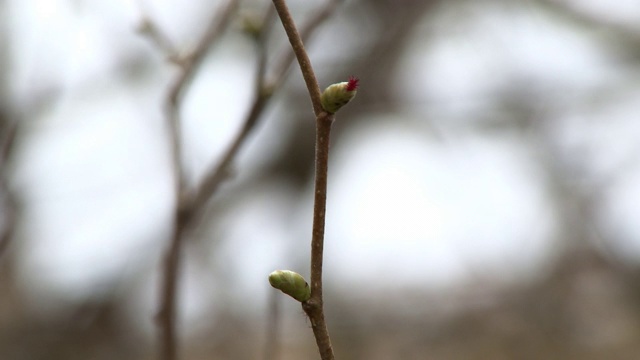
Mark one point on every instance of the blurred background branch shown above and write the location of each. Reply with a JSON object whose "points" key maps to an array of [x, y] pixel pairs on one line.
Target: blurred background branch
{"points": [[189, 64]]}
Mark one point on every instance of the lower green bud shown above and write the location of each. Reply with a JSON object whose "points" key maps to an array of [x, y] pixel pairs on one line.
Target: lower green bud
{"points": [[290, 283]]}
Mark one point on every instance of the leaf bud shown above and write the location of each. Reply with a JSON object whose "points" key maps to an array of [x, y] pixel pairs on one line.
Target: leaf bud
{"points": [[338, 95], [290, 283]]}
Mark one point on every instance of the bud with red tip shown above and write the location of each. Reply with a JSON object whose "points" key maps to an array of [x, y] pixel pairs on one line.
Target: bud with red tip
{"points": [[338, 95]]}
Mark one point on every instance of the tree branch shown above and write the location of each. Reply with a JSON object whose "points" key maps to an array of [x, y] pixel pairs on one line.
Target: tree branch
{"points": [[190, 204], [306, 30], [301, 54], [166, 316], [314, 307], [7, 201], [263, 94]]}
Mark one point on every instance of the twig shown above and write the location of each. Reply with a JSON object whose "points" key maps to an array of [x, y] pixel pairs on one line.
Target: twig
{"points": [[190, 65], [263, 94], [214, 177], [148, 28], [190, 205], [161, 41], [301, 54], [314, 306], [261, 44], [306, 30], [166, 316], [8, 203]]}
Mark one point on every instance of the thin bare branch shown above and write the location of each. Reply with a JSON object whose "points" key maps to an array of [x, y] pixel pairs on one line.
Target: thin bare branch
{"points": [[190, 65], [261, 44], [262, 96], [301, 54], [214, 178], [314, 307], [191, 204], [306, 30], [8, 203], [149, 29]]}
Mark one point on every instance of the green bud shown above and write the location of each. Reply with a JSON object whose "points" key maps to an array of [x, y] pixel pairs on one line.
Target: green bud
{"points": [[338, 95], [251, 25], [290, 283]]}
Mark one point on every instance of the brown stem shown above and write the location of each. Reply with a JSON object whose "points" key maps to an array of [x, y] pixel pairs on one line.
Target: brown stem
{"points": [[161, 41], [306, 30], [8, 204], [166, 317], [314, 306], [263, 94], [189, 205], [301, 54], [190, 65], [214, 178]]}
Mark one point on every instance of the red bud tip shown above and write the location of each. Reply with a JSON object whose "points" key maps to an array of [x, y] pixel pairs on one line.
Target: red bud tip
{"points": [[353, 83]]}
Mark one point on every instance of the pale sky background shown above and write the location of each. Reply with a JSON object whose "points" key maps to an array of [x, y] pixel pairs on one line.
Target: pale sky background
{"points": [[94, 171]]}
